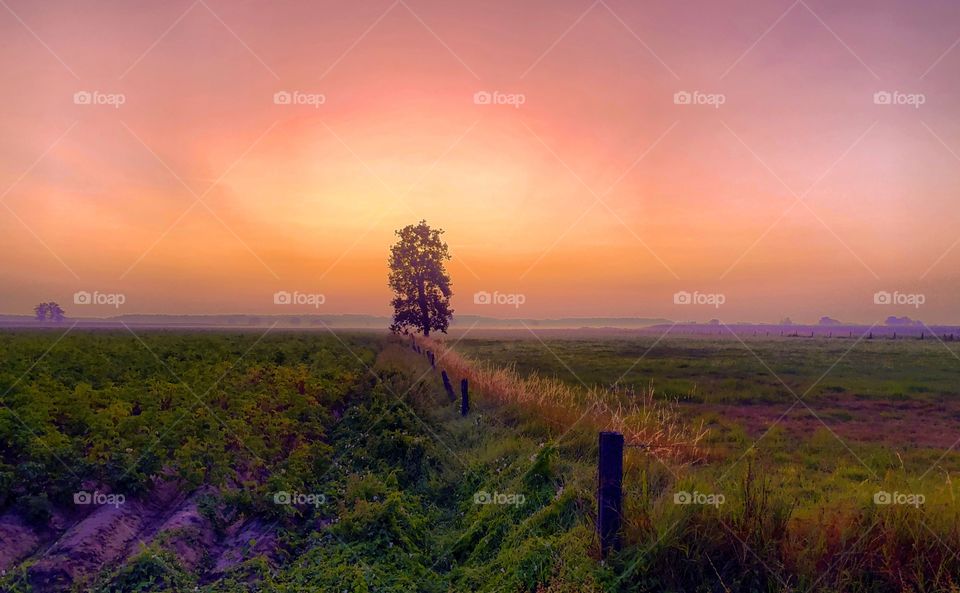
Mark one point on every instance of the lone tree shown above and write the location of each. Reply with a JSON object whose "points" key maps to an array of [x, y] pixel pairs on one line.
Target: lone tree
{"points": [[420, 281]]}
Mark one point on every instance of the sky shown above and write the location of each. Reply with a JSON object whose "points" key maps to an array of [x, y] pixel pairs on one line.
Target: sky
{"points": [[596, 158]]}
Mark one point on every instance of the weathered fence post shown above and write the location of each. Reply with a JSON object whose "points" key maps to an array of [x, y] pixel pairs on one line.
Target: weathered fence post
{"points": [[464, 398], [609, 491], [433, 363], [447, 386]]}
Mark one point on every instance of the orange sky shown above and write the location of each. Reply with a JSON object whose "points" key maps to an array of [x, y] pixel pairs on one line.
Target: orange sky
{"points": [[598, 195]]}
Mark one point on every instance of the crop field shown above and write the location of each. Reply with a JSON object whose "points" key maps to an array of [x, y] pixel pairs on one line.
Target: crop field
{"points": [[284, 462], [308, 461]]}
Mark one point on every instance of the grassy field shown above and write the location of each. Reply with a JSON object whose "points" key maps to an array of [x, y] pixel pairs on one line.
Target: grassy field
{"points": [[308, 461], [904, 394], [730, 371], [805, 437]]}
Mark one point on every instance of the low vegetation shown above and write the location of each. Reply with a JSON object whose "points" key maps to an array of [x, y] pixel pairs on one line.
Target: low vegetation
{"points": [[635, 413], [227, 462], [843, 494], [306, 461]]}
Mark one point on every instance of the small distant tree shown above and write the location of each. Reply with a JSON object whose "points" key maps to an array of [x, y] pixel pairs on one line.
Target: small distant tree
{"points": [[420, 281], [44, 311], [56, 313], [41, 311]]}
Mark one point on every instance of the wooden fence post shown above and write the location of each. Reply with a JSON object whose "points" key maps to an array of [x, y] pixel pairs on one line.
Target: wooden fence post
{"points": [[464, 398], [447, 386], [609, 491]]}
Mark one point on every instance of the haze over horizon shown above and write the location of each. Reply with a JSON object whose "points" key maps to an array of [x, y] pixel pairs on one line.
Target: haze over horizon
{"points": [[554, 142]]}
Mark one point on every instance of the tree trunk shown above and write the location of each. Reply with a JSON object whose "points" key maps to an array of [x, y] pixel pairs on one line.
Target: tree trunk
{"points": [[424, 310]]}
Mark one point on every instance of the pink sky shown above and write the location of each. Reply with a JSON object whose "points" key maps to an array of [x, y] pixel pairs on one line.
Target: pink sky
{"points": [[598, 195]]}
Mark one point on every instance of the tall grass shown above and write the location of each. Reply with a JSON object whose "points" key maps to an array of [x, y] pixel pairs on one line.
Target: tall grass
{"points": [[772, 533], [644, 421]]}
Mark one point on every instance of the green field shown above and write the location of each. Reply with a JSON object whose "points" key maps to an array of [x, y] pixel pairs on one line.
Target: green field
{"points": [[305, 461], [884, 397], [730, 371], [228, 422]]}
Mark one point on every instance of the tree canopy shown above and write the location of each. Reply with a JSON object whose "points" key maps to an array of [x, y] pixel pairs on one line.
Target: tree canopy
{"points": [[420, 281]]}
